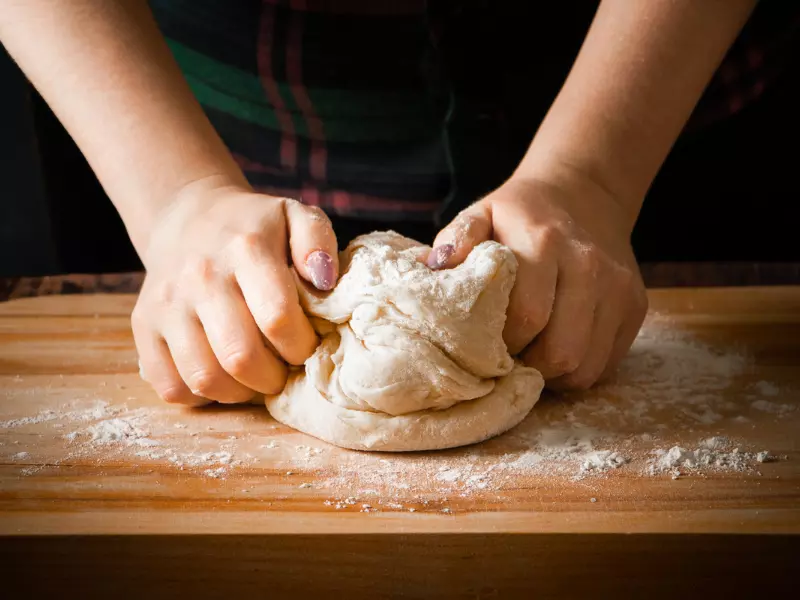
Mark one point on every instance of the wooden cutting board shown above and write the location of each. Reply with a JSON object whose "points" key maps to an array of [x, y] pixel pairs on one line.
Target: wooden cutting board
{"points": [[107, 484]]}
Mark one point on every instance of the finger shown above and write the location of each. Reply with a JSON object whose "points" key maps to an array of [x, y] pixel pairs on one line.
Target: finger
{"points": [[158, 369], [632, 323], [197, 364], [563, 343], [269, 292], [312, 243], [454, 243], [607, 323], [533, 295], [530, 303], [237, 342]]}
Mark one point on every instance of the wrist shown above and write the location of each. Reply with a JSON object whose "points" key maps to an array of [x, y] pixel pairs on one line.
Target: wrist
{"points": [[145, 219], [590, 190]]}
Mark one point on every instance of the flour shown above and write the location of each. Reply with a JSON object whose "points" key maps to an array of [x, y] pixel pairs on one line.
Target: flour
{"points": [[772, 407], [767, 388], [712, 454], [764, 456], [110, 429], [42, 417], [119, 431], [99, 409], [670, 386], [600, 462], [666, 370], [659, 417]]}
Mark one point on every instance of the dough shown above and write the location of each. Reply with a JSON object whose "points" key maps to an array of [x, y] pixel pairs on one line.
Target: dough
{"points": [[410, 358]]}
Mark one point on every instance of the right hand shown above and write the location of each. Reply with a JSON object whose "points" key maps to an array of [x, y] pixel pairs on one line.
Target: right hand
{"points": [[218, 315]]}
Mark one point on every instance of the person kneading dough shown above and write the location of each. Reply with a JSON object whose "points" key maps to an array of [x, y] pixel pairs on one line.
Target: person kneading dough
{"points": [[411, 358]]}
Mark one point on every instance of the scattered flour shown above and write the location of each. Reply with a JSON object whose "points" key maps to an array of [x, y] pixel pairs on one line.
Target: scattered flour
{"points": [[767, 388], [764, 456], [42, 417], [601, 461], [772, 407], [218, 473], [653, 419], [712, 454], [119, 431]]}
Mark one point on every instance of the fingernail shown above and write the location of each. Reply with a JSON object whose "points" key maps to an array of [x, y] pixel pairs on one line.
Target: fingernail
{"points": [[440, 255], [320, 269]]}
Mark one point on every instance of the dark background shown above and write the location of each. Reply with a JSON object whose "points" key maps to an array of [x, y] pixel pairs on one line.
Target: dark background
{"points": [[726, 193]]}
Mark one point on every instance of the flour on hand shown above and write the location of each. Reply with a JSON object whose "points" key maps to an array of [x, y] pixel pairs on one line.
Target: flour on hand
{"points": [[410, 358]]}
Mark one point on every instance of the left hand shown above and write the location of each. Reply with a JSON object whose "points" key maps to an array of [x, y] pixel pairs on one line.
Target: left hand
{"points": [[579, 300]]}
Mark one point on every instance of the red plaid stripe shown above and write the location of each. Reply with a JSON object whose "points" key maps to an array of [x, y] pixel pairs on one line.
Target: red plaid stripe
{"points": [[288, 151]]}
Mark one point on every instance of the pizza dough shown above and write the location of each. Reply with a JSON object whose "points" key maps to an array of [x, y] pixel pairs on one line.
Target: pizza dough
{"points": [[410, 358]]}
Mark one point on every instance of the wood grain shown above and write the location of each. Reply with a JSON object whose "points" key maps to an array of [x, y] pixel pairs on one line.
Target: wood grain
{"points": [[102, 520]]}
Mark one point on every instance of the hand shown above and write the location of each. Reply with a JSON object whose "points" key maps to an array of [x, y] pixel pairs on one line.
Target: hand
{"points": [[218, 314], [579, 300]]}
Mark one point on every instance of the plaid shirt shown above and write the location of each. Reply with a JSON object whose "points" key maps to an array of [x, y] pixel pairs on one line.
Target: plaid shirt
{"points": [[396, 110]]}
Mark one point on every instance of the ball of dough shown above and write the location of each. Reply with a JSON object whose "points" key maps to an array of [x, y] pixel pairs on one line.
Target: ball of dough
{"points": [[410, 358]]}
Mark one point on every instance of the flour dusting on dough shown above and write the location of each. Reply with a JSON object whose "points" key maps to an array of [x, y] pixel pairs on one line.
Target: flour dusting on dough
{"points": [[411, 358]]}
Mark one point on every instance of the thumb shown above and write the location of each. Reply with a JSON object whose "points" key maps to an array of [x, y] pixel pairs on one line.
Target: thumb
{"points": [[471, 226], [312, 243]]}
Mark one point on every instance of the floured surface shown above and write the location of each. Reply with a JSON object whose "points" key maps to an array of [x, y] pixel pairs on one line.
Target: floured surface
{"points": [[705, 413]]}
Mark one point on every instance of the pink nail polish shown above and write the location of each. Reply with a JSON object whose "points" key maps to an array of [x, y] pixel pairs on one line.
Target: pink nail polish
{"points": [[320, 269], [440, 255]]}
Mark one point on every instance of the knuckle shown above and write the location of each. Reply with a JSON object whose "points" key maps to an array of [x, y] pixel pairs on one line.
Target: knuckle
{"points": [[534, 317], [200, 269], [276, 320], [561, 360], [286, 203], [139, 318], [161, 293], [248, 244], [164, 294], [315, 213], [175, 393], [623, 277], [239, 361], [589, 260], [201, 382], [547, 238]]}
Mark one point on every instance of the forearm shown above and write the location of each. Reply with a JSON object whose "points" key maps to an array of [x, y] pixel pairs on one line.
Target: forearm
{"points": [[108, 75], [637, 78]]}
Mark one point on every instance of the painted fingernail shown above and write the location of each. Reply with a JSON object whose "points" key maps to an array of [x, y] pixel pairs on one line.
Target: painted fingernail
{"points": [[320, 269], [440, 255]]}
